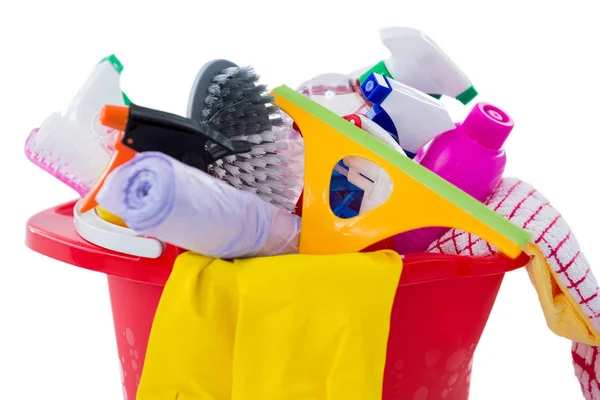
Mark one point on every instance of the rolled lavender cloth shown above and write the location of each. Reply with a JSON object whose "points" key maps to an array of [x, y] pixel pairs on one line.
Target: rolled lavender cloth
{"points": [[159, 196]]}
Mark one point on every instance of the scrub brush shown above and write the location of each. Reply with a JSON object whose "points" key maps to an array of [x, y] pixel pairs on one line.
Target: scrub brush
{"points": [[230, 99], [67, 151], [73, 146]]}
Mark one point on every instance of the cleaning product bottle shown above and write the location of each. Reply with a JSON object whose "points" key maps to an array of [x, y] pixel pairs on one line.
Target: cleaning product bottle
{"points": [[72, 145], [470, 157], [101, 88], [336, 92], [410, 116], [417, 61]]}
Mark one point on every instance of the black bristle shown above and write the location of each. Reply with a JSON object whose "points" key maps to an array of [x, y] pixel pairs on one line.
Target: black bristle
{"points": [[238, 105]]}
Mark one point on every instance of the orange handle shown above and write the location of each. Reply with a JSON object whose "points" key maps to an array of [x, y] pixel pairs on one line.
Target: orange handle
{"points": [[113, 117]]}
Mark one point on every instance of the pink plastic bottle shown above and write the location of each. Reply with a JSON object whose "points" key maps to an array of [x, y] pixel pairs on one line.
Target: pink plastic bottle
{"points": [[470, 157]]}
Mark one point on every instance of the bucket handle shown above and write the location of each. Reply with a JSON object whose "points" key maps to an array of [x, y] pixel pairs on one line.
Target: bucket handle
{"points": [[112, 237]]}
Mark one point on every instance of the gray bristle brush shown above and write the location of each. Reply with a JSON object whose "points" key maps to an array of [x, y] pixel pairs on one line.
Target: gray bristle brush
{"points": [[230, 99]]}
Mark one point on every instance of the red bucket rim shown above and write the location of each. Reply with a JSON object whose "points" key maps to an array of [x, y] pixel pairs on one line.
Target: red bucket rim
{"points": [[52, 233]]}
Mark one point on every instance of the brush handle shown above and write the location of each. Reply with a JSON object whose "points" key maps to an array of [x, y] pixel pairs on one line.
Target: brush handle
{"points": [[153, 130]]}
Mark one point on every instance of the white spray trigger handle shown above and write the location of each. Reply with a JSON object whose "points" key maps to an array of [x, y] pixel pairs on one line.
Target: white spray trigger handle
{"points": [[417, 61]]}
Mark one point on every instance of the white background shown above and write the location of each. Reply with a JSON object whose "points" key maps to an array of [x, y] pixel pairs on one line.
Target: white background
{"points": [[540, 63]]}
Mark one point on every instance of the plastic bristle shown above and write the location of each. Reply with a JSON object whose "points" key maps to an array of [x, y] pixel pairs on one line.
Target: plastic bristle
{"points": [[272, 161], [275, 186], [269, 172], [279, 133], [288, 206], [266, 147], [247, 178], [67, 151], [277, 198], [286, 171], [241, 108], [219, 172], [273, 108], [263, 188], [231, 169], [221, 78], [214, 90], [230, 159], [258, 162], [234, 181], [268, 137], [260, 175], [245, 166], [283, 159], [276, 121], [255, 139], [257, 152], [287, 193]]}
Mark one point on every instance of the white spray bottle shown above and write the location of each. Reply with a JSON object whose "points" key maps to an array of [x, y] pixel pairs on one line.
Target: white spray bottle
{"points": [[73, 146], [417, 61], [101, 88], [411, 116]]}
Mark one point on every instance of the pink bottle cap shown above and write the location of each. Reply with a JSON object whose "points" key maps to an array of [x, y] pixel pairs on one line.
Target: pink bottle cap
{"points": [[488, 124]]}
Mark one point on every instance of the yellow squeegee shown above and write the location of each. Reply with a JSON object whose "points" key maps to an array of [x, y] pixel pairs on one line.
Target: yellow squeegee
{"points": [[419, 199]]}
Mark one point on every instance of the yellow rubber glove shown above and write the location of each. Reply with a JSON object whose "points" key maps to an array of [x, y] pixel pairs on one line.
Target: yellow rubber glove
{"points": [[563, 313], [293, 327]]}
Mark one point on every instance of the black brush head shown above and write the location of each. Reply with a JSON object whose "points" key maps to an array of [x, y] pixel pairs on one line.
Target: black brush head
{"points": [[231, 99], [203, 80]]}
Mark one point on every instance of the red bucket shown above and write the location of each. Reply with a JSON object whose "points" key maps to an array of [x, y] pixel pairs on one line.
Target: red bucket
{"points": [[440, 310]]}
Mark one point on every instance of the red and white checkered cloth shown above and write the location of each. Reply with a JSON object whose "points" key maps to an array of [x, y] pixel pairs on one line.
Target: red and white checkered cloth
{"points": [[526, 207]]}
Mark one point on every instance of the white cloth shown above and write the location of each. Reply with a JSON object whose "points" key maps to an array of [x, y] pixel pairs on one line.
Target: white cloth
{"points": [[526, 207]]}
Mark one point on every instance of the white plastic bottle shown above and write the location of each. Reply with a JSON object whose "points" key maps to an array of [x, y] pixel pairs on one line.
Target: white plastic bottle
{"points": [[101, 88], [417, 61], [411, 116]]}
